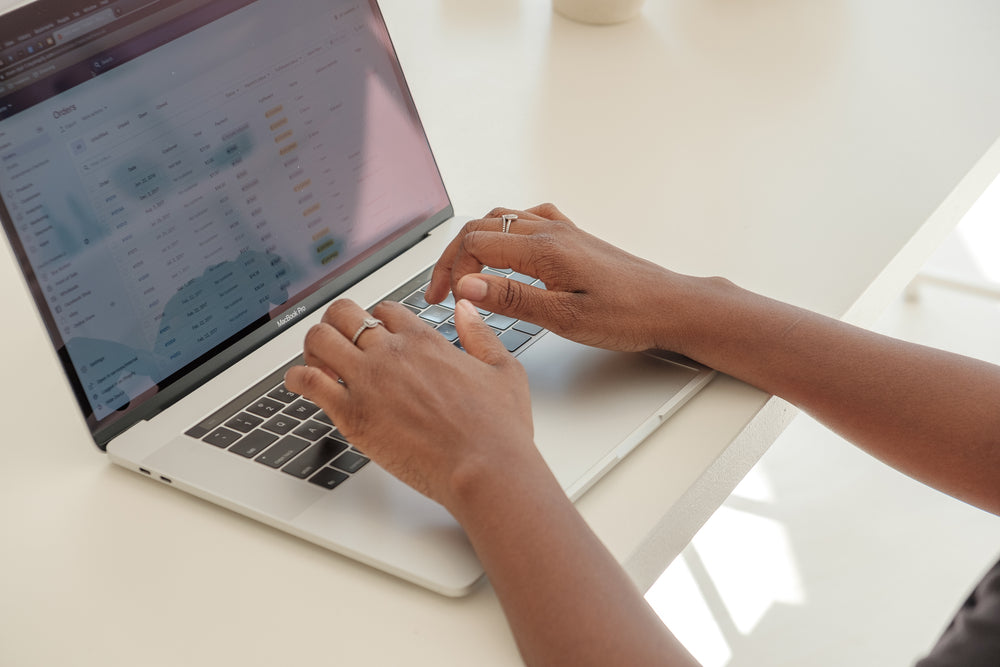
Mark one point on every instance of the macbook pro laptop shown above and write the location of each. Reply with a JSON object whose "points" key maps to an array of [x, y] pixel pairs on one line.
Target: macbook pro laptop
{"points": [[185, 185]]}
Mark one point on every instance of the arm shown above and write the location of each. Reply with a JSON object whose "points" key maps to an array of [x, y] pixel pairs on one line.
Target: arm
{"points": [[931, 414], [453, 425]]}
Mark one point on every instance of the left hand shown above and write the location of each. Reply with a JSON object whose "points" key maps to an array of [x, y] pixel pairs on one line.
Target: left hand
{"points": [[430, 414]]}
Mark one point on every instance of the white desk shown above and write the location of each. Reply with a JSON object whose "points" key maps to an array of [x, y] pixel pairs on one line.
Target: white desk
{"points": [[816, 152]]}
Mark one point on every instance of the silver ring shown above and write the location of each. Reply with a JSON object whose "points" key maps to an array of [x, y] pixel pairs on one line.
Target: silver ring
{"points": [[369, 323], [507, 219]]}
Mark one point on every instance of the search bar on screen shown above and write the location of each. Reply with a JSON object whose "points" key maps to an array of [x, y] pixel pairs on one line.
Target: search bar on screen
{"points": [[85, 25]]}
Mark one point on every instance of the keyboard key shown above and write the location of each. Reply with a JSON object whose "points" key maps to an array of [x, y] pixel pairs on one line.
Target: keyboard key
{"points": [[253, 443], [528, 328], [222, 437], [350, 462], [513, 339], [233, 407], [483, 313], [302, 409], [244, 422], [521, 278], [498, 321], [449, 331], [416, 300], [314, 458], [265, 407], [280, 424], [281, 393], [321, 417], [328, 478], [284, 451], [449, 301], [312, 430], [436, 314], [337, 435]]}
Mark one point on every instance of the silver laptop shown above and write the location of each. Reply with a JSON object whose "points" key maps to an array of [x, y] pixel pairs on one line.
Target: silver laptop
{"points": [[185, 184]]}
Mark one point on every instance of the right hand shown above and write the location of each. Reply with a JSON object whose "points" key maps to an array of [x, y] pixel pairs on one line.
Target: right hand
{"points": [[594, 293]]}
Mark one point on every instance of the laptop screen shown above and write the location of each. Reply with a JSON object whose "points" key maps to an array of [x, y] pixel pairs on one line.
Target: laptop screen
{"points": [[181, 178]]}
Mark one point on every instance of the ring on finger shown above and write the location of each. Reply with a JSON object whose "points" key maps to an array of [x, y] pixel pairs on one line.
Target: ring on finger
{"points": [[368, 323], [507, 218]]}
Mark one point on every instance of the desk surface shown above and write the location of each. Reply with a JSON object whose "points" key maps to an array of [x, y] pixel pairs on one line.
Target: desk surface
{"points": [[815, 152]]}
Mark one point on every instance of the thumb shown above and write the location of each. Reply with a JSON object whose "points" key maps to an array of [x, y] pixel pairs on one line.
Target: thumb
{"points": [[507, 297], [477, 337]]}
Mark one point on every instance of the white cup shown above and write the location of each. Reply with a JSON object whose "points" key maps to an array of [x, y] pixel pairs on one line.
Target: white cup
{"points": [[598, 11]]}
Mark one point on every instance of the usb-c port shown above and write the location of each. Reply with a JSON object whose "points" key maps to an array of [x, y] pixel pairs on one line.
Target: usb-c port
{"points": [[166, 480], [144, 471]]}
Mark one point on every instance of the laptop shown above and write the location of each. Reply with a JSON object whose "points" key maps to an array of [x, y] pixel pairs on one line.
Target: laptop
{"points": [[185, 185]]}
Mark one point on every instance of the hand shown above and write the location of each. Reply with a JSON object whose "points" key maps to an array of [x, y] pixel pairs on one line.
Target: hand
{"points": [[418, 406], [595, 293]]}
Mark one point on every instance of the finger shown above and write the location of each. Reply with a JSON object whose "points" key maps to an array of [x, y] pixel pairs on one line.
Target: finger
{"points": [[513, 251], [326, 348], [547, 212], [396, 317], [477, 337], [513, 298], [441, 278], [501, 211], [353, 322], [318, 387]]}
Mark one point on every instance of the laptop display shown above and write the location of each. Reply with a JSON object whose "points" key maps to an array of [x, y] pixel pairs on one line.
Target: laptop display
{"points": [[181, 179]]}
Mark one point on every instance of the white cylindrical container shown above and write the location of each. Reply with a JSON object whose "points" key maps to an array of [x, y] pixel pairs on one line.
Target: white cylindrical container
{"points": [[598, 11]]}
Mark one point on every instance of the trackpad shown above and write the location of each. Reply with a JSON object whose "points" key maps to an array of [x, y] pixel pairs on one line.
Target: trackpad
{"points": [[587, 402]]}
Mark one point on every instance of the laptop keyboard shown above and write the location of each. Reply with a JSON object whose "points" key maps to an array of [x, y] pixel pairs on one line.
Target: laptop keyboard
{"points": [[514, 334], [284, 431], [279, 429]]}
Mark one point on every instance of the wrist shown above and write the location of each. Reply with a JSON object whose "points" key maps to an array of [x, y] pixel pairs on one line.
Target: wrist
{"points": [[683, 309], [483, 489]]}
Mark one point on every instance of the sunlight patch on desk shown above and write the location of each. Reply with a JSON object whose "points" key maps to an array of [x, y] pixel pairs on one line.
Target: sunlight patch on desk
{"points": [[980, 233], [738, 568], [678, 601], [750, 561], [755, 486]]}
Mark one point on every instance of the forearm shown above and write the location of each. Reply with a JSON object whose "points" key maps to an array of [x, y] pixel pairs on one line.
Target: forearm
{"points": [[931, 414], [567, 600]]}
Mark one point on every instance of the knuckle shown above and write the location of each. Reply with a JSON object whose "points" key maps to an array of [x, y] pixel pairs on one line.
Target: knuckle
{"points": [[510, 296], [314, 335], [336, 309], [384, 309], [496, 212], [544, 245], [562, 226], [309, 380], [474, 244]]}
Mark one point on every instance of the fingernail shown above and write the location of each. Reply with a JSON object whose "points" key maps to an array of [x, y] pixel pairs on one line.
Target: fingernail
{"points": [[468, 308], [472, 287]]}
